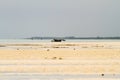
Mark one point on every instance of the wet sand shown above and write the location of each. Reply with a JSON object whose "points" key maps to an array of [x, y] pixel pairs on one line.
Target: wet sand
{"points": [[68, 58]]}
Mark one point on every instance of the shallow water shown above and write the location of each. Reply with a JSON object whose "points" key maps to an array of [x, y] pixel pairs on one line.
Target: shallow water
{"points": [[49, 40], [37, 76]]}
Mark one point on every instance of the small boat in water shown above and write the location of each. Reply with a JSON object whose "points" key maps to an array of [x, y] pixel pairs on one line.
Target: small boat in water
{"points": [[57, 40]]}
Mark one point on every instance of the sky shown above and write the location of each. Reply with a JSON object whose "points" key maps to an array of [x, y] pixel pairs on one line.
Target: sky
{"points": [[83, 18]]}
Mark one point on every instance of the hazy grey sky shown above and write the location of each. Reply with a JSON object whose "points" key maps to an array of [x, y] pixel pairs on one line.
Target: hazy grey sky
{"points": [[26, 18]]}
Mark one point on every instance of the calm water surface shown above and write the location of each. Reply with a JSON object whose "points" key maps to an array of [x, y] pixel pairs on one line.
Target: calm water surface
{"points": [[49, 40], [37, 76]]}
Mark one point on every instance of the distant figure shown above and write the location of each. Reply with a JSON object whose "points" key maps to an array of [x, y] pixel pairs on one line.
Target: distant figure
{"points": [[102, 74], [57, 40]]}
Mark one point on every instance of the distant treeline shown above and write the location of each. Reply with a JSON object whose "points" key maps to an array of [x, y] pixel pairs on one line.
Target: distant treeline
{"points": [[73, 38]]}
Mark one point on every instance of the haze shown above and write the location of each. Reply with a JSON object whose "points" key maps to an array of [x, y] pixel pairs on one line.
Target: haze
{"points": [[27, 18]]}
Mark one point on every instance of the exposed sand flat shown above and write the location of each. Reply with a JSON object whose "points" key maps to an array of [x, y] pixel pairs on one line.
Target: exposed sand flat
{"points": [[61, 58], [61, 66], [62, 69], [66, 54], [59, 62]]}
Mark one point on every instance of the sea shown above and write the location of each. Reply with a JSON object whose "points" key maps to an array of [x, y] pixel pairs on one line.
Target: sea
{"points": [[49, 40], [38, 76]]}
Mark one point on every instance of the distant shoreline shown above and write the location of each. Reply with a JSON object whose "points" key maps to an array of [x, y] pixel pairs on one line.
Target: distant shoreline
{"points": [[73, 38]]}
